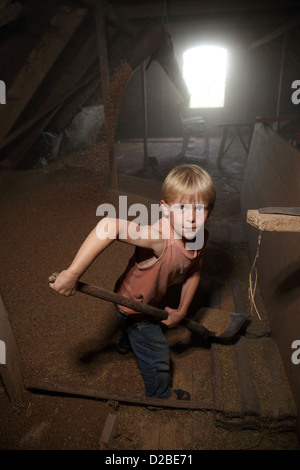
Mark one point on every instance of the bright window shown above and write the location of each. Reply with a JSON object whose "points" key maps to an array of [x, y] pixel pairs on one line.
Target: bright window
{"points": [[204, 72]]}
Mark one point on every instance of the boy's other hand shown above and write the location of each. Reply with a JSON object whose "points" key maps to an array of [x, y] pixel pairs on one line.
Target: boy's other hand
{"points": [[65, 284], [175, 317]]}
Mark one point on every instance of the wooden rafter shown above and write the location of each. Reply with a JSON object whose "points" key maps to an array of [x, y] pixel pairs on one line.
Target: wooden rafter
{"points": [[273, 222], [106, 91], [119, 20], [39, 62], [36, 124], [180, 7], [76, 101], [113, 15], [276, 33]]}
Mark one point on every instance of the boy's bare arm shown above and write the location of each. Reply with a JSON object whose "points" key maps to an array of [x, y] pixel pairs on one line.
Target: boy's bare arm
{"points": [[106, 231], [187, 294]]}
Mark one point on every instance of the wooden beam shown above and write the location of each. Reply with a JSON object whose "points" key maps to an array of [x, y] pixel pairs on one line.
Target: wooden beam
{"points": [[10, 13], [40, 121], [19, 150], [40, 60], [106, 93], [108, 432], [75, 71], [71, 106], [280, 85], [66, 83], [270, 119], [152, 9], [44, 112], [119, 20], [114, 16], [144, 108], [273, 222], [276, 33], [36, 386]]}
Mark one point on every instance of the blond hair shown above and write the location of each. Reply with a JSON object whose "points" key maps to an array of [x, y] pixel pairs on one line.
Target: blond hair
{"points": [[189, 182]]}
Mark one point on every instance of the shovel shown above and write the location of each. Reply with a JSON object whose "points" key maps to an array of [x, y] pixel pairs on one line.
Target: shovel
{"points": [[237, 319]]}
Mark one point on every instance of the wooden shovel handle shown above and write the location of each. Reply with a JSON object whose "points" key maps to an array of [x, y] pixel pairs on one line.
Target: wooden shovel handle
{"points": [[149, 310]]}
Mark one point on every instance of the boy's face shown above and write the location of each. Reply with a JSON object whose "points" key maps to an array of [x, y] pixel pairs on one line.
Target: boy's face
{"points": [[186, 218]]}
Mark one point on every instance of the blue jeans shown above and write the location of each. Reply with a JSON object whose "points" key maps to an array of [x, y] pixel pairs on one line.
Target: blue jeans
{"points": [[152, 352]]}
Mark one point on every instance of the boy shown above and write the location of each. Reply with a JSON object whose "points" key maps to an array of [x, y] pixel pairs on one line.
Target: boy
{"points": [[165, 252]]}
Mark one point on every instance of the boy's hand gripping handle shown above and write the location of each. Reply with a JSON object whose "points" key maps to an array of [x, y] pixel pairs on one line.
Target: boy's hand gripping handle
{"points": [[118, 299]]}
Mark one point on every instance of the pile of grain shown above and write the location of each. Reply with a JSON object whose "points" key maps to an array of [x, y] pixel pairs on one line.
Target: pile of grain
{"points": [[215, 320]]}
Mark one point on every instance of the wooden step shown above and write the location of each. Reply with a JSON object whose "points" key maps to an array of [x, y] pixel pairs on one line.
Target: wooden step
{"points": [[250, 388]]}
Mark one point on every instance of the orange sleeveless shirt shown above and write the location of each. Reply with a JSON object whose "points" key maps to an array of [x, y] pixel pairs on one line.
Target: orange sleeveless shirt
{"points": [[149, 284]]}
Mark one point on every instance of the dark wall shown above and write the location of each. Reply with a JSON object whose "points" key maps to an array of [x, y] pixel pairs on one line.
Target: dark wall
{"points": [[251, 88], [271, 178]]}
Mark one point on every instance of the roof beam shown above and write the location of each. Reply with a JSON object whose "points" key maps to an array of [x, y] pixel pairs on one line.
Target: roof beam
{"points": [[150, 9], [276, 33], [38, 63], [113, 16]]}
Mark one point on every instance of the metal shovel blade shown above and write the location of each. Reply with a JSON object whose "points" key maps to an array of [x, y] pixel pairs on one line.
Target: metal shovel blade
{"points": [[237, 321], [221, 323]]}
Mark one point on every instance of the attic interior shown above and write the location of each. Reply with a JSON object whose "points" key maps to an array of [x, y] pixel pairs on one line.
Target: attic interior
{"points": [[100, 100]]}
